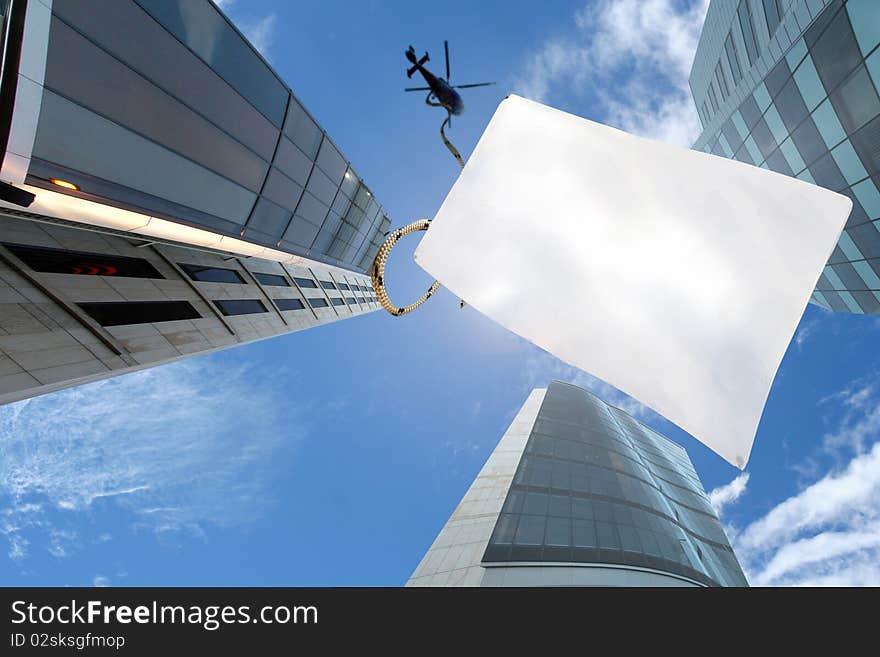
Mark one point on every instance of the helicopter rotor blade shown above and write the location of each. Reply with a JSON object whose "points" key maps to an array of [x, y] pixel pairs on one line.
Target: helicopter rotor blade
{"points": [[446, 48], [478, 84], [418, 89]]}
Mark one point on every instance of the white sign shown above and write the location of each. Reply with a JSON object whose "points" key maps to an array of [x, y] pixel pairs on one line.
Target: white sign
{"points": [[676, 276]]}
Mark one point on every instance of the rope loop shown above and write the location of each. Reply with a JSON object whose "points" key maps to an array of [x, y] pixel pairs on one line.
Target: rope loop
{"points": [[377, 272]]}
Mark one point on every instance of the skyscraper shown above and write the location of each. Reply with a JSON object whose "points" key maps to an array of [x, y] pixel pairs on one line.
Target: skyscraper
{"points": [[577, 492], [162, 193], [791, 85]]}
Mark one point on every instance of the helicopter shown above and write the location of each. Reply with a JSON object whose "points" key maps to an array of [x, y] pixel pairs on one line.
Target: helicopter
{"points": [[441, 93], [439, 89]]}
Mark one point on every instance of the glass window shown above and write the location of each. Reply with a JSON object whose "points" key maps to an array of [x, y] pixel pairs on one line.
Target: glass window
{"points": [[774, 122], [268, 220], [740, 124], [836, 52], [207, 33], [763, 138], [849, 163], [318, 303], [872, 280], [212, 274], [732, 135], [240, 306], [629, 538], [747, 25], [848, 247], [806, 176], [856, 100], [754, 153], [328, 285], [530, 530], [271, 279], [292, 161], [713, 98], [350, 301], [865, 19], [505, 529], [581, 508], [561, 475], [721, 79], [850, 277], [733, 59], [808, 141], [331, 162], [873, 63], [337, 302], [794, 159], [514, 501], [289, 304], [81, 263], [796, 54], [828, 124], [560, 506], [302, 130], [790, 105], [558, 532], [282, 191], [865, 142], [773, 12], [305, 282], [869, 197], [584, 533], [810, 85], [827, 174], [776, 78], [851, 304], [776, 162], [867, 237], [119, 313], [607, 535], [750, 112]]}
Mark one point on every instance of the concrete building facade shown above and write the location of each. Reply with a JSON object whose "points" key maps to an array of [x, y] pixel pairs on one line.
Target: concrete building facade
{"points": [[578, 493], [81, 305], [792, 86]]}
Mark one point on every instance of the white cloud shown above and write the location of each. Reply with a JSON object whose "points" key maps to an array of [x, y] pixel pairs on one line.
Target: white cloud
{"points": [[630, 57], [179, 447], [260, 31], [729, 493], [101, 580], [861, 422], [827, 534]]}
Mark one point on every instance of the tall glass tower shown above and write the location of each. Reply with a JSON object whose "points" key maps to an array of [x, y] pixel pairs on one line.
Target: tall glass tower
{"points": [[791, 86], [163, 193], [579, 493]]}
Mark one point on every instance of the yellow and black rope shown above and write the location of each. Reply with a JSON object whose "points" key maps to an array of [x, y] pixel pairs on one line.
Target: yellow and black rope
{"points": [[377, 271]]}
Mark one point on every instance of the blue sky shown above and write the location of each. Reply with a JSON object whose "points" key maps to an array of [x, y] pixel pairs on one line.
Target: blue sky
{"points": [[335, 455]]}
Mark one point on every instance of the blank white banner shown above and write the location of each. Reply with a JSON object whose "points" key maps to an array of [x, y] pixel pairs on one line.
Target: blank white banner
{"points": [[676, 276]]}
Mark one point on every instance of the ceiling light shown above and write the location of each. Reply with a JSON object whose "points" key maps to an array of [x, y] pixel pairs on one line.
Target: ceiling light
{"points": [[64, 184]]}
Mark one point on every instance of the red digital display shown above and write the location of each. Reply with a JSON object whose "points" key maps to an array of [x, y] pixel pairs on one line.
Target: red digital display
{"points": [[91, 269]]}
